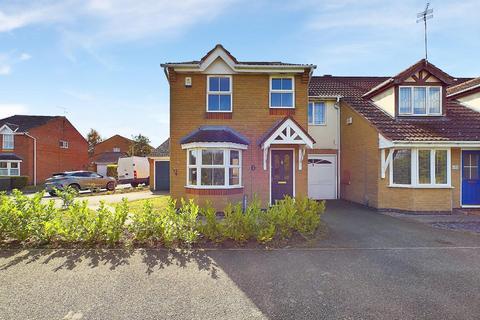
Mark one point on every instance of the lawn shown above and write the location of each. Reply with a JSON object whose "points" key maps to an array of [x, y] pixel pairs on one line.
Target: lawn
{"points": [[159, 202]]}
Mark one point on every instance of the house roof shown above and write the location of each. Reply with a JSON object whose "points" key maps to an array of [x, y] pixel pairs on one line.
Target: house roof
{"points": [[162, 150], [10, 156], [459, 123], [23, 123], [108, 157], [464, 87], [215, 134]]}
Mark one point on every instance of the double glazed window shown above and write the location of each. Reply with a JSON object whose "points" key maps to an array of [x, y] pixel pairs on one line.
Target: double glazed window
{"points": [[63, 144], [282, 94], [420, 167], [219, 94], [8, 168], [316, 113], [420, 101], [8, 141], [214, 168]]}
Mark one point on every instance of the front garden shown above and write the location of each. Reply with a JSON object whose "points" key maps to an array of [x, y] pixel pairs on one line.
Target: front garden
{"points": [[158, 222]]}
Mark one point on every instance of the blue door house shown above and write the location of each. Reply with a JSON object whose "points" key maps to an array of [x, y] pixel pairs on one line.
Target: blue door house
{"points": [[470, 178]]}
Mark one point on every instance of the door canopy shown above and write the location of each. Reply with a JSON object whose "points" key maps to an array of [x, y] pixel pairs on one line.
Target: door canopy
{"points": [[286, 132]]}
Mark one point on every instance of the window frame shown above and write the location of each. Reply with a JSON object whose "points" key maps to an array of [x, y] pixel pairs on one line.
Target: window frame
{"points": [[9, 168], [5, 137], [427, 101], [292, 91], [414, 169], [230, 92], [324, 123], [226, 166], [63, 144]]}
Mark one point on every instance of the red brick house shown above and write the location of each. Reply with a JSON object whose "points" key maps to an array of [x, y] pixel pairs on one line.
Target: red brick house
{"points": [[109, 151], [37, 146]]}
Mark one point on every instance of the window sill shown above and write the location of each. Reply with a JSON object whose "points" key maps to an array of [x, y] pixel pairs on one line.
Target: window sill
{"points": [[317, 125], [213, 191], [420, 186], [282, 107]]}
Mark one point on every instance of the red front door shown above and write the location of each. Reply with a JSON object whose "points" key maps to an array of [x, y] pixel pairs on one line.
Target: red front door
{"points": [[282, 174]]}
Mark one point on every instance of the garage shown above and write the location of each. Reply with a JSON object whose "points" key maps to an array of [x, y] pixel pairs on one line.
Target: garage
{"points": [[162, 175], [322, 176]]}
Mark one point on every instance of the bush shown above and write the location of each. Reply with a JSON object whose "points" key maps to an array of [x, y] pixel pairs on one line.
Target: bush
{"points": [[112, 171], [18, 182], [67, 195], [5, 183], [211, 228]]}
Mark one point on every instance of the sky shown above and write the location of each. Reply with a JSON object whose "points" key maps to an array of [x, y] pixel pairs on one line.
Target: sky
{"points": [[98, 61]]}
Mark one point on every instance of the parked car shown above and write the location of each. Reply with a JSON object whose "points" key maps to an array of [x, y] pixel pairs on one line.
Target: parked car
{"points": [[79, 180], [133, 170]]}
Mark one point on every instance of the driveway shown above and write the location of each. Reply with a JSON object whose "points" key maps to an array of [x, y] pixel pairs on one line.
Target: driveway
{"points": [[372, 266]]}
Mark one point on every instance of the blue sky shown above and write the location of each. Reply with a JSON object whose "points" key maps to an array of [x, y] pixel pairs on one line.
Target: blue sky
{"points": [[98, 61]]}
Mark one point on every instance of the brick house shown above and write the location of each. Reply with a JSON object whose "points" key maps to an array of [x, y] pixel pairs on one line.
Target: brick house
{"points": [[109, 151], [37, 146]]}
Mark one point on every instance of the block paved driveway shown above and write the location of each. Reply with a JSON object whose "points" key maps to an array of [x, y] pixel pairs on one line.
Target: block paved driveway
{"points": [[371, 267]]}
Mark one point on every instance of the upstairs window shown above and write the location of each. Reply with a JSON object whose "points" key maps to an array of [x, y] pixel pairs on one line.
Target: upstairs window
{"points": [[316, 113], [282, 94], [8, 141], [219, 94], [116, 149], [63, 144], [420, 101]]}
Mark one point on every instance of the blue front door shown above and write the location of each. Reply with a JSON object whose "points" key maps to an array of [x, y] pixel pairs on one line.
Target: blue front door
{"points": [[470, 178]]}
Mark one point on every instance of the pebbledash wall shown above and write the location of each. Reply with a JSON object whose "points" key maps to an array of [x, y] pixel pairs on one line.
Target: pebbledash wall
{"points": [[361, 180], [250, 116]]}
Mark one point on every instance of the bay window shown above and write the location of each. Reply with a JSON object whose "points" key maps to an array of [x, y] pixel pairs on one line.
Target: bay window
{"points": [[420, 101], [9, 168], [213, 168], [282, 93], [219, 94], [420, 168]]}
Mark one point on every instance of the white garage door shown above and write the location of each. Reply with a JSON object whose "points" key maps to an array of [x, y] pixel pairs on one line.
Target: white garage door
{"points": [[102, 169], [322, 176]]}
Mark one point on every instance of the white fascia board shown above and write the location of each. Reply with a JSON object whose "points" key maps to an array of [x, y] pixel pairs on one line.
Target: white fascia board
{"points": [[288, 123], [433, 144], [384, 143], [228, 145]]}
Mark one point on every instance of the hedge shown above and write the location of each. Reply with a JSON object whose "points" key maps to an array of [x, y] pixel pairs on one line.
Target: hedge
{"points": [[16, 182]]}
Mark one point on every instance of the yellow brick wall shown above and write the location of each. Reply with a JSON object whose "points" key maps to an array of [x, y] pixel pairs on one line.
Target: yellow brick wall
{"points": [[251, 117]]}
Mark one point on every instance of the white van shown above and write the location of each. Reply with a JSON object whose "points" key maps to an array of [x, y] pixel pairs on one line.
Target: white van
{"points": [[133, 170]]}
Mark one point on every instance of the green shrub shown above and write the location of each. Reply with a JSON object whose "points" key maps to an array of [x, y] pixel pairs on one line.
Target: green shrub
{"points": [[308, 215], [5, 183], [67, 195], [285, 216], [112, 171], [211, 228], [238, 226], [18, 182]]}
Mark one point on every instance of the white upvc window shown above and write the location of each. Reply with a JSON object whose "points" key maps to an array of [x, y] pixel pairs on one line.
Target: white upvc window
{"points": [[316, 113], [63, 144], [420, 100], [420, 168], [214, 168], [219, 94], [8, 142], [9, 168], [116, 149], [282, 92]]}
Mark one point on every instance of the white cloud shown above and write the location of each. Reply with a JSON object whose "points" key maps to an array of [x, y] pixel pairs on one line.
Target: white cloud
{"points": [[81, 96], [10, 109], [7, 60], [24, 57], [5, 70]]}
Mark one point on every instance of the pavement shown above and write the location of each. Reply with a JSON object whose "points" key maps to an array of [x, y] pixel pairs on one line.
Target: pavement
{"points": [[371, 266]]}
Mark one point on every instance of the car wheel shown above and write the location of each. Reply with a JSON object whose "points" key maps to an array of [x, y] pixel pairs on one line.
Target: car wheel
{"points": [[52, 193], [75, 186], [111, 186]]}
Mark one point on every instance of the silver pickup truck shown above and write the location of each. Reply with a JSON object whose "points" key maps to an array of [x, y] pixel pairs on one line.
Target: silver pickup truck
{"points": [[79, 180]]}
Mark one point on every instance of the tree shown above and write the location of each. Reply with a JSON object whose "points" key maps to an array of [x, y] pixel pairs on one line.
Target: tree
{"points": [[93, 138], [140, 146]]}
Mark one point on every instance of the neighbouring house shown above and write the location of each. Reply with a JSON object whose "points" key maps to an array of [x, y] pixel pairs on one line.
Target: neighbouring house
{"points": [[109, 151], [239, 129], [408, 142], [37, 146], [159, 161]]}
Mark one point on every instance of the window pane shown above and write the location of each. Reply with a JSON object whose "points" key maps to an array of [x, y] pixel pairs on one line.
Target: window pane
{"points": [[424, 169], [319, 113], [441, 167], [14, 172], [218, 157], [207, 177], [287, 99], [234, 158], [225, 102], [214, 84], [310, 113], [3, 165], [402, 166], [14, 165], [224, 84], [219, 176], [434, 97], [192, 157], [213, 102], [276, 84], [405, 100], [192, 176], [286, 84], [210, 157], [3, 172], [276, 99], [419, 97], [234, 178]]}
